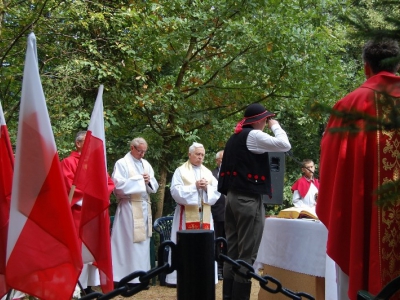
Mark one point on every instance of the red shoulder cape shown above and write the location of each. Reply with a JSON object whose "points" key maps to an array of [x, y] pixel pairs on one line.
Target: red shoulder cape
{"points": [[303, 185]]}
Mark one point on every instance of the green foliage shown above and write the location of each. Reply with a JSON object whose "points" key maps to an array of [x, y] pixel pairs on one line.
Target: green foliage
{"points": [[370, 19], [176, 71]]}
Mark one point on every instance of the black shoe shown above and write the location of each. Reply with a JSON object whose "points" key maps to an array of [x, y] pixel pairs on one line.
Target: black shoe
{"points": [[88, 290], [227, 289], [241, 291]]}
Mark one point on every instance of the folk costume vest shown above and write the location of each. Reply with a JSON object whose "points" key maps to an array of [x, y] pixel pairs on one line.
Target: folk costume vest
{"points": [[197, 216], [243, 170], [139, 226]]}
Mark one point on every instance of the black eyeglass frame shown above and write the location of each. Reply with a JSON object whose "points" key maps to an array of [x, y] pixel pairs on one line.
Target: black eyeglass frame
{"points": [[140, 151]]}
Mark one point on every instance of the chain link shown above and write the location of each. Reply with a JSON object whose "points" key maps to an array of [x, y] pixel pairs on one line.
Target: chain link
{"points": [[126, 290], [265, 281]]}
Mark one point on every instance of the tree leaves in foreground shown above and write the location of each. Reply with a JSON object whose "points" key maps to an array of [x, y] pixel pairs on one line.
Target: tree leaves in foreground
{"points": [[375, 20]]}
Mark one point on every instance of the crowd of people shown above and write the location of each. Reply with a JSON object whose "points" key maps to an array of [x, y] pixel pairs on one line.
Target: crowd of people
{"points": [[228, 199]]}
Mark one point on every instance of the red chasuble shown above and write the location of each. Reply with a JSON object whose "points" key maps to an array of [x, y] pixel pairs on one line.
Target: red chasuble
{"points": [[363, 238]]}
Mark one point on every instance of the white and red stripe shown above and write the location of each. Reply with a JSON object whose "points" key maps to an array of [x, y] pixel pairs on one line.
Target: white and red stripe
{"points": [[43, 257], [6, 174], [91, 177]]}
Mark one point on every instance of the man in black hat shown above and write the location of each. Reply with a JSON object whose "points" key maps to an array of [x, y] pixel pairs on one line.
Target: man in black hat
{"points": [[244, 177]]}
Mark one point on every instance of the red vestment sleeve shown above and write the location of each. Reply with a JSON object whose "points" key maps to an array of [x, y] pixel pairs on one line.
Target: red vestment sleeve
{"points": [[110, 184], [68, 166]]}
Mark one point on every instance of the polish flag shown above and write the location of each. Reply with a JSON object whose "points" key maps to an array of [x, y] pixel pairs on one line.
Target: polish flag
{"points": [[91, 177], [43, 256], [6, 174]]}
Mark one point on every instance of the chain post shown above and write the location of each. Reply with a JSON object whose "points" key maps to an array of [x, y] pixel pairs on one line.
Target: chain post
{"points": [[195, 265]]}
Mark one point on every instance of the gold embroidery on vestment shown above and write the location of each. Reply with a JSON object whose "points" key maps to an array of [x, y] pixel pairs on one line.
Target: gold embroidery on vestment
{"points": [[388, 151]]}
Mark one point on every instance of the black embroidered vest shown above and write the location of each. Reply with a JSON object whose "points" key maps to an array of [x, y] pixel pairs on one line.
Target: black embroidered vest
{"points": [[242, 170]]}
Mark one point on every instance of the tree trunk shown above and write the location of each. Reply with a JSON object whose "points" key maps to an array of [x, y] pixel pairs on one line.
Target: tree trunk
{"points": [[161, 191]]}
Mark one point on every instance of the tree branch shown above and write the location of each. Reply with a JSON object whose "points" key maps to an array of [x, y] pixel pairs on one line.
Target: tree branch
{"points": [[23, 31]]}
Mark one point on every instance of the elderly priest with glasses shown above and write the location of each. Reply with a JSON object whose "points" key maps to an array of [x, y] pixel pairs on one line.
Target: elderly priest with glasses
{"points": [[130, 238]]}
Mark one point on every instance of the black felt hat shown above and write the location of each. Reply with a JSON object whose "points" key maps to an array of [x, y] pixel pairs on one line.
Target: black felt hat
{"points": [[254, 112]]}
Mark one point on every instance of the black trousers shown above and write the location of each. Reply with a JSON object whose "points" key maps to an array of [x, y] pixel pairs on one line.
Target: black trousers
{"points": [[219, 231], [244, 225]]}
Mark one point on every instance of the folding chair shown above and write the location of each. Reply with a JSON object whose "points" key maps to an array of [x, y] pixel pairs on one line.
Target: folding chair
{"points": [[163, 227], [385, 294]]}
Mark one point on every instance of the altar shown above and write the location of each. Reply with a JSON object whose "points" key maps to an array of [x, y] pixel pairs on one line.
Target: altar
{"points": [[294, 252]]}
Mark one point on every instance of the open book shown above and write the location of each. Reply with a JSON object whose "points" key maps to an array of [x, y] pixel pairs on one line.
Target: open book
{"points": [[298, 213]]}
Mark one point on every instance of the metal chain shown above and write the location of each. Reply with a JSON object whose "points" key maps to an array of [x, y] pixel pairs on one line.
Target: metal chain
{"points": [[125, 290], [265, 281]]}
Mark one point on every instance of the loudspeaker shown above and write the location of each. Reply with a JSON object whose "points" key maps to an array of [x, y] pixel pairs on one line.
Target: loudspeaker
{"points": [[277, 167]]}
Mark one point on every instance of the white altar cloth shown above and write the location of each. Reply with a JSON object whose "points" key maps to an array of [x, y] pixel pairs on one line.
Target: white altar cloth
{"points": [[297, 245]]}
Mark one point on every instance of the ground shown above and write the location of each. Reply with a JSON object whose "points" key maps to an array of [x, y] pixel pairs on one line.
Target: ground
{"points": [[158, 292]]}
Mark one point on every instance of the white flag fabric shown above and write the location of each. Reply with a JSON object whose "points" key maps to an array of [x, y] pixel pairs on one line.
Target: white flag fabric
{"points": [[43, 254], [92, 179]]}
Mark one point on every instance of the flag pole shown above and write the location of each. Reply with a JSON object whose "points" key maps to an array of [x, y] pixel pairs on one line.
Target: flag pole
{"points": [[71, 193], [9, 294], [70, 196]]}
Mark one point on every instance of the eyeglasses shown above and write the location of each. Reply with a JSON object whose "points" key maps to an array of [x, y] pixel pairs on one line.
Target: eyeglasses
{"points": [[140, 151]]}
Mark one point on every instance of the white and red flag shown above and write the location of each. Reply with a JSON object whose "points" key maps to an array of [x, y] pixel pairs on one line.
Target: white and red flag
{"points": [[6, 174], [92, 178], [43, 255]]}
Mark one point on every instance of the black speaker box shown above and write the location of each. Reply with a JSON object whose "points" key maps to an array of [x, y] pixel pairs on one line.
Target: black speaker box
{"points": [[277, 166]]}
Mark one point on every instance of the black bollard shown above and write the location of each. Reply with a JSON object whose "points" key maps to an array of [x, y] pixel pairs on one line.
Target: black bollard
{"points": [[195, 265]]}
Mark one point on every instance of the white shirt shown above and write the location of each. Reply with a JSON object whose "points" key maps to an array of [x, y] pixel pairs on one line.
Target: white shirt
{"points": [[260, 142]]}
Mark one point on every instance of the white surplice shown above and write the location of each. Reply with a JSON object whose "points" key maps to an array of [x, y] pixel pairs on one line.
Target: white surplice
{"points": [[189, 195], [128, 257]]}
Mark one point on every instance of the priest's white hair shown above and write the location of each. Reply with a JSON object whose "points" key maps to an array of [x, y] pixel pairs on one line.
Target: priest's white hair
{"points": [[194, 146]]}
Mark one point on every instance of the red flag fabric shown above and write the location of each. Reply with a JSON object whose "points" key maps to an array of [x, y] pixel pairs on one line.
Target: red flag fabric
{"points": [[43, 256], [6, 174], [91, 177]]}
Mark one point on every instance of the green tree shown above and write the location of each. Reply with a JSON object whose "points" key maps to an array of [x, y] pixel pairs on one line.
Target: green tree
{"points": [[178, 71]]}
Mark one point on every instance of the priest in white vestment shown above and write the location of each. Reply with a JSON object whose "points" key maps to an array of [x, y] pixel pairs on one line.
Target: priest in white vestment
{"points": [[132, 228], [194, 188]]}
